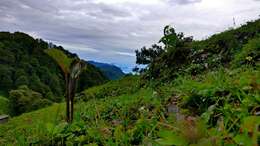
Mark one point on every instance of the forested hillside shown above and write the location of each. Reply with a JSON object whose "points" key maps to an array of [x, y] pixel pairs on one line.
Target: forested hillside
{"points": [[24, 63], [192, 93]]}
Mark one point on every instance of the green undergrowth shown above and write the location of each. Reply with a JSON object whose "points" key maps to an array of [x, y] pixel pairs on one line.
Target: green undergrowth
{"points": [[3, 105], [126, 85], [218, 108], [30, 127]]}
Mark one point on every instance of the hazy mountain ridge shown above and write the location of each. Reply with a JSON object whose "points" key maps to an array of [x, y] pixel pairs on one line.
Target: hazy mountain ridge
{"points": [[111, 71]]}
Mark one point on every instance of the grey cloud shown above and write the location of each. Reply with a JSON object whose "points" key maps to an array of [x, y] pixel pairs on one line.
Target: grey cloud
{"points": [[114, 11], [116, 30], [184, 2]]}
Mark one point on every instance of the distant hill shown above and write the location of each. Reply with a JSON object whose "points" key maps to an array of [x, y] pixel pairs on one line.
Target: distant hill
{"points": [[111, 71]]}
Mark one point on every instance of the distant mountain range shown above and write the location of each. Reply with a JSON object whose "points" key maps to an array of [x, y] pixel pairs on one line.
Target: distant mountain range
{"points": [[111, 71]]}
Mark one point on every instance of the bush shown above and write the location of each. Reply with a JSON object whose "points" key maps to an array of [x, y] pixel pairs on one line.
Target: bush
{"points": [[3, 105], [225, 93], [249, 54], [24, 100]]}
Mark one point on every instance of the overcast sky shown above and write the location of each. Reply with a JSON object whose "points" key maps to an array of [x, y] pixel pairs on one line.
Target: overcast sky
{"points": [[110, 30]]}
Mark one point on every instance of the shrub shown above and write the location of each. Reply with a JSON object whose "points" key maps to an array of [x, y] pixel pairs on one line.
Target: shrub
{"points": [[249, 54], [24, 100], [3, 105]]}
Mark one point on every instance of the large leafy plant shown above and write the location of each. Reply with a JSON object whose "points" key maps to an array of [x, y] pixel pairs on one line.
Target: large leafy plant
{"points": [[71, 68]]}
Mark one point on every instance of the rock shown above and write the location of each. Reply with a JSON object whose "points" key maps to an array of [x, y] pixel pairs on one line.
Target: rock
{"points": [[172, 108], [4, 119], [116, 122]]}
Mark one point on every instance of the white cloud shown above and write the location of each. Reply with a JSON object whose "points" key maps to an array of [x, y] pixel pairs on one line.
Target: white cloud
{"points": [[78, 47], [125, 54], [143, 2]]}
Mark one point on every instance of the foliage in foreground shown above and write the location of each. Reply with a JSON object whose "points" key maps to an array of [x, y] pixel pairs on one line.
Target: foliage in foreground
{"points": [[219, 108]]}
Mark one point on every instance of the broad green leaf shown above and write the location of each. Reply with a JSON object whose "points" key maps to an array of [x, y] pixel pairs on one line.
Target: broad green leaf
{"points": [[59, 128], [250, 123], [243, 140], [170, 138], [203, 142]]}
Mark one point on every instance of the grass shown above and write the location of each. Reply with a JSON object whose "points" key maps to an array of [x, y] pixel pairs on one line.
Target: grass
{"points": [[33, 127], [126, 85], [219, 109], [30, 126]]}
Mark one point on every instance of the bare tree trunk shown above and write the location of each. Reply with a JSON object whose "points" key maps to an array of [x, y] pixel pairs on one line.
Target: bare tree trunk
{"points": [[67, 99], [71, 90], [71, 109], [72, 95]]}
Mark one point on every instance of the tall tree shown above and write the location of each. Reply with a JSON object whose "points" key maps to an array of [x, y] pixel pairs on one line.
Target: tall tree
{"points": [[148, 55], [71, 68]]}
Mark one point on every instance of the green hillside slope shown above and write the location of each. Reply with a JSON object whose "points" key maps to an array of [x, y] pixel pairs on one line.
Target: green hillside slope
{"points": [[148, 116]]}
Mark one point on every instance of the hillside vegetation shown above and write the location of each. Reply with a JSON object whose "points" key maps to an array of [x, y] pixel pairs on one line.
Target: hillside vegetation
{"points": [[24, 62], [3, 105], [192, 93]]}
